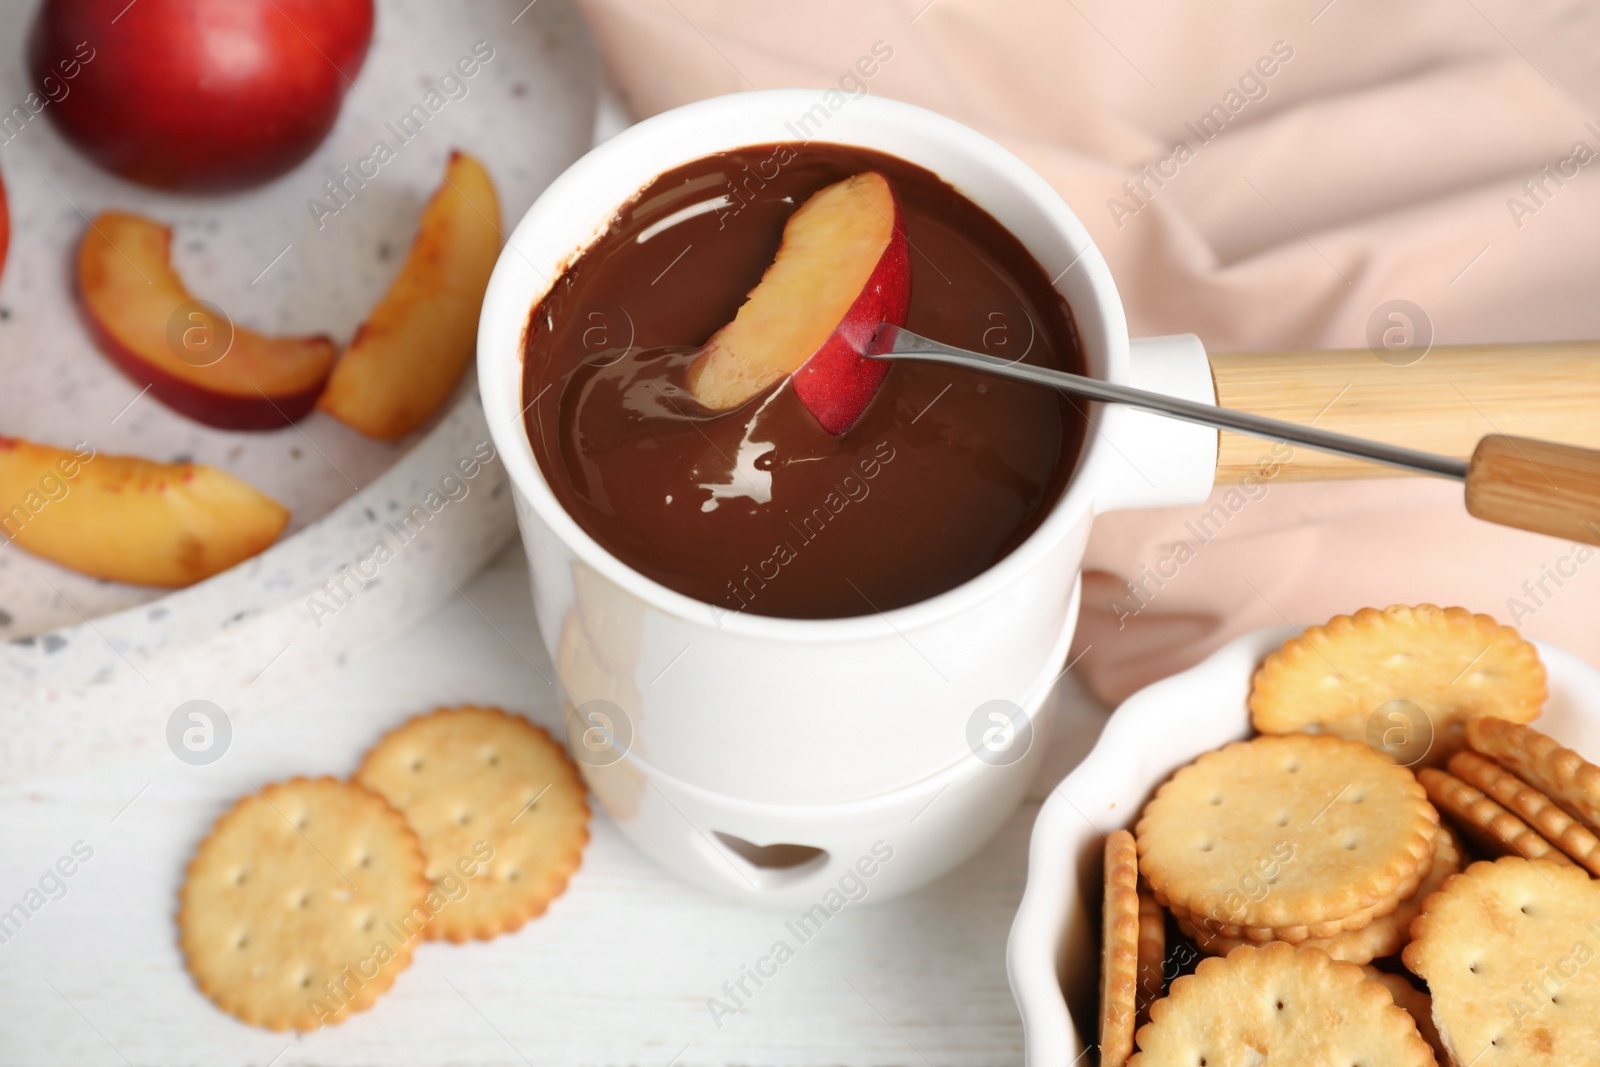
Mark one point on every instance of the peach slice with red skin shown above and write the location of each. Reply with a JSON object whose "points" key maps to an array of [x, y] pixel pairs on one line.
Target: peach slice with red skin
{"points": [[408, 356], [128, 519], [842, 270], [141, 313]]}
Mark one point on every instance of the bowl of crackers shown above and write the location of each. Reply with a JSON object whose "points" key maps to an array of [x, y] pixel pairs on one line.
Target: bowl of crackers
{"points": [[1373, 841]]}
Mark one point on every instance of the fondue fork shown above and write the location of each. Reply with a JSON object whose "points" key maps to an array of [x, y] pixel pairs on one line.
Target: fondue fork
{"points": [[1514, 481]]}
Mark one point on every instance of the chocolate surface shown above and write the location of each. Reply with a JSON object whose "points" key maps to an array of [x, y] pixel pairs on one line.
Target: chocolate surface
{"points": [[759, 509]]}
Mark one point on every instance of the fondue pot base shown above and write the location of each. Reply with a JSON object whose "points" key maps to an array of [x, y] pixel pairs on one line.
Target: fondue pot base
{"points": [[794, 855]]}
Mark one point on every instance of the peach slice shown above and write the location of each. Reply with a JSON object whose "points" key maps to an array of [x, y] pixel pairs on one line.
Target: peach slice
{"points": [[841, 271], [128, 519], [193, 358], [408, 356]]}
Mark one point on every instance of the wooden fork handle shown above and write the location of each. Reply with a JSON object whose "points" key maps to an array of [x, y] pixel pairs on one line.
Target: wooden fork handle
{"points": [[1536, 485], [1444, 402]]}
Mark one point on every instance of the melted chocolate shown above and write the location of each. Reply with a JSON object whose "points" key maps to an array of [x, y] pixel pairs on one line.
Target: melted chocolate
{"points": [[759, 509]]}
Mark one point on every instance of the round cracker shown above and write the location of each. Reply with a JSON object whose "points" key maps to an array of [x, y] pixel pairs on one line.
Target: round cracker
{"points": [[1485, 823], [1508, 951], [1119, 949], [300, 907], [1542, 762], [1280, 832], [1276, 1006], [1152, 952], [1383, 936], [1531, 806], [1303, 933], [1415, 1003], [501, 812], [1450, 663]]}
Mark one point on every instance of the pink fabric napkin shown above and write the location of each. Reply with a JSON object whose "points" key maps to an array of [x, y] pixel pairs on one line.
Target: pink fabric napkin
{"points": [[1342, 154]]}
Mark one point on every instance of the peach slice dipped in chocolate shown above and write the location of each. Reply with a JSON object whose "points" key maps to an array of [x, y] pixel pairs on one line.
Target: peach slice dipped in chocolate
{"points": [[842, 270], [189, 353], [408, 356], [128, 519]]}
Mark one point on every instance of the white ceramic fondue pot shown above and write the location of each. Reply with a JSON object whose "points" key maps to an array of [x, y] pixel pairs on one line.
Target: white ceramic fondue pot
{"points": [[768, 758], [796, 761]]}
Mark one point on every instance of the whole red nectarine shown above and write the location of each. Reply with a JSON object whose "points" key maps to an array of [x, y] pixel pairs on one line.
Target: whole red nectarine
{"points": [[199, 94]]}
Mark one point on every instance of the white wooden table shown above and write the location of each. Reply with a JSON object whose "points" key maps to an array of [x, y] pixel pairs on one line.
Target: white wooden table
{"points": [[618, 972]]}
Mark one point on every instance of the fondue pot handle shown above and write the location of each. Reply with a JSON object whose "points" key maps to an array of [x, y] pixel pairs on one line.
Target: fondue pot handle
{"points": [[1443, 399], [1536, 485]]}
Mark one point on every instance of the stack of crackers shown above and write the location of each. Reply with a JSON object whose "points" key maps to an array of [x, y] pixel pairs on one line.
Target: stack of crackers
{"points": [[1323, 909], [308, 897]]}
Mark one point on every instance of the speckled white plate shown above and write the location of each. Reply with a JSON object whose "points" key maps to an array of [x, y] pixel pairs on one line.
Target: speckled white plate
{"points": [[88, 665], [1053, 956]]}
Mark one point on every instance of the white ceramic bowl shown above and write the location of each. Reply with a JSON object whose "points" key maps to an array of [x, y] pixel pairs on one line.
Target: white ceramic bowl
{"points": [[1053, 953]]}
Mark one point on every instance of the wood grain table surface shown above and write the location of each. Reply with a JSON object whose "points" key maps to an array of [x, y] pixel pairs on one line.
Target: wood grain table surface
{"points": [[618, 972]]}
